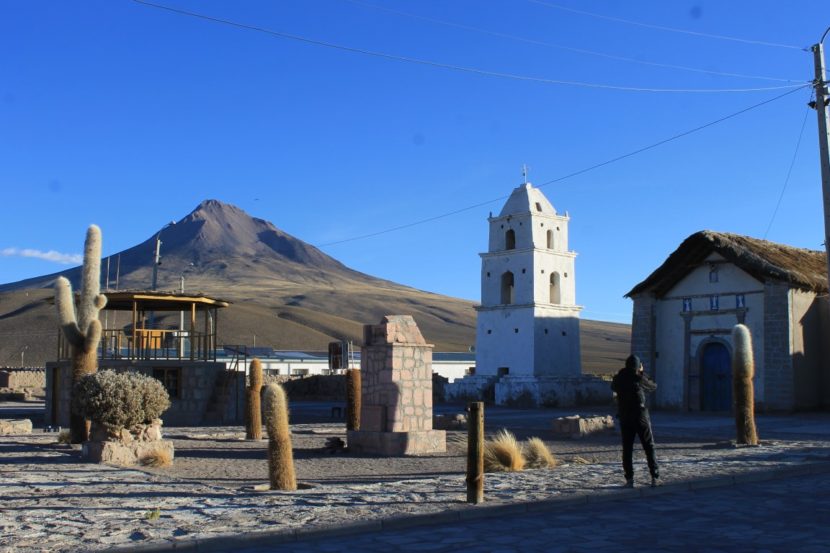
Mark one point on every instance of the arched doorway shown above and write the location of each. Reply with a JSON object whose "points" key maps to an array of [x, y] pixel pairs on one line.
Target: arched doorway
{"points": [[716, 378]]}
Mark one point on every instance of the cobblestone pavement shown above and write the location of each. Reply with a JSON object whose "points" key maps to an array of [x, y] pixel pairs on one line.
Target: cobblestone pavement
{"points": [[788, 514]]}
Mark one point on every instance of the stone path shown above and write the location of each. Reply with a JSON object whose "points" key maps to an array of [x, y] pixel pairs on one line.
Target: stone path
{"points": [[786, 514]]}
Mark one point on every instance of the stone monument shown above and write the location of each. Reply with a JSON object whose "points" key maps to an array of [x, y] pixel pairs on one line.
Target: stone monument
{"points": [[396, 389]]}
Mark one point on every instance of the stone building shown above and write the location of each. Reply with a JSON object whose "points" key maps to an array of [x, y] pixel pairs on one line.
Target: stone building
{"points": [[527, 331], [685, 310]]}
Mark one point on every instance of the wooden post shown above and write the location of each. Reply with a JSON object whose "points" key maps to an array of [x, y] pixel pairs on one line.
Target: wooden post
{"points": [[475, 452]]}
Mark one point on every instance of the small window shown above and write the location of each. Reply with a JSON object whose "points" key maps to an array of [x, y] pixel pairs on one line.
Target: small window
{"points": [[538, 206], [516, 330], [510, 240], [740, 301], [489, 332], [687, 305], [546, 331], [503, 371], [507, 292], [714, 303], [523, 271], [171, 379], [713, 274]]}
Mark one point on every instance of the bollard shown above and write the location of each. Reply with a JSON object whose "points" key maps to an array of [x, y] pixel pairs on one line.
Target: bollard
{"points": [[475, 452]]}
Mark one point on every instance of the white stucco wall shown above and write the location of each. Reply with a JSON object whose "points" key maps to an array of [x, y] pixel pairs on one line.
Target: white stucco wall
{"points": [[504, 338], [706, 324]]}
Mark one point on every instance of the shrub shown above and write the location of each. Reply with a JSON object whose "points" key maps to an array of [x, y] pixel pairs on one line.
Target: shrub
{"points": [[538, 456], [118, 400], [157, 458], [502, 453]]}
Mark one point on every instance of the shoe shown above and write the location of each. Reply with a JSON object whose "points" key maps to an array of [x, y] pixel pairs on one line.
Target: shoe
{"points": [[654, 482], [629, 483]]}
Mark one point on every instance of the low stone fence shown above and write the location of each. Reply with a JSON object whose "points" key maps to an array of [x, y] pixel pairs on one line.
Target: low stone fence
{"points": [[18, 378], [520, 391]]}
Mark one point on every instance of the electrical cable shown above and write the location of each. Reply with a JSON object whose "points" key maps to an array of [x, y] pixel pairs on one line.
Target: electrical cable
{"points": [[664, 28], [566, 48], [789, 172], [456, 67], [570, 175]]}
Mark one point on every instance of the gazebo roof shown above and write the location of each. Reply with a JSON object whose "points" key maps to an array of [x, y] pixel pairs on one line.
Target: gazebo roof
{"points": [[122, 300]]}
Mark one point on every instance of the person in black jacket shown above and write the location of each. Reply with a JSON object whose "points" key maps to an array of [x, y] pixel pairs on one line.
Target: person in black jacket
{"points": [[631, 386]]}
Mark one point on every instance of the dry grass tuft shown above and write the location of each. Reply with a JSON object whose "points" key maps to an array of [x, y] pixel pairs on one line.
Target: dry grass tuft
{"points": [[503, 453], [157, 458], [65, 437], [538, 456]]}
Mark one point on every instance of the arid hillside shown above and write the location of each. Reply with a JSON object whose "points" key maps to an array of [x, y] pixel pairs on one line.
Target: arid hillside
{"points": [[285, 293]]}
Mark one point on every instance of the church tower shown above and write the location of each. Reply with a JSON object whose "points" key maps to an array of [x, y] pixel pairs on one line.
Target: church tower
{"points": [[528, 320]]}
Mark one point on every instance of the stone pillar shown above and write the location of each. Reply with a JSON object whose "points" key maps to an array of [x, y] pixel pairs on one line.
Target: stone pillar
{"points": [[396, 388], [777, 372]]}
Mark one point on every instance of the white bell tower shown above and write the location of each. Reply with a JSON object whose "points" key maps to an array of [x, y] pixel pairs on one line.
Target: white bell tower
{"points": [[528, 320]]}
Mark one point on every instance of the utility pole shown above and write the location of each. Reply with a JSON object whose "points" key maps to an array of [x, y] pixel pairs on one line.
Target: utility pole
{"points": [[822, 100]]}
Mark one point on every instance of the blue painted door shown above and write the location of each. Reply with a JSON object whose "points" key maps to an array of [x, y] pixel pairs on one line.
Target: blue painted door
{"points": [[717, 378]]}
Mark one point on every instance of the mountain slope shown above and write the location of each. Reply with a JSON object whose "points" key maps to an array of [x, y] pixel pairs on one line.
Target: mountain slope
{"points": [[285, 293]]}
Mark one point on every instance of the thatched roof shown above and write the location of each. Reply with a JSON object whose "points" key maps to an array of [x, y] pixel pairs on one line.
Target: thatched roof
{"points": [[803, 269]]}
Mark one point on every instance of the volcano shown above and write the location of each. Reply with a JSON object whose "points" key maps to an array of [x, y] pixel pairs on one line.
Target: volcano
{"points": [[285, 293]]}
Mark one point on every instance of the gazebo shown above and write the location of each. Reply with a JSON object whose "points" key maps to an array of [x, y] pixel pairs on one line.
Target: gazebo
{"points": [[202, 390]]}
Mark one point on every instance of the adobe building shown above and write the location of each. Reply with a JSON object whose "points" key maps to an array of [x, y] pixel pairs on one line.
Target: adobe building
{"points": [[527, 331], [685, 310], [202, 389]]}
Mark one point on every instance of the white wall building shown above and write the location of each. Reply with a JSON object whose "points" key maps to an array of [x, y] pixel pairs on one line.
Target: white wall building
{"points": [[527, 332], [685, 310], [528, 320], [450, 365]]}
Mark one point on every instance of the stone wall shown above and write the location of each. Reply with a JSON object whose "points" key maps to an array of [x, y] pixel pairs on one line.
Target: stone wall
{"points": [[778, 360], [643, 330], [208, 393], [17, 378], [396, 390], [518, 391]]}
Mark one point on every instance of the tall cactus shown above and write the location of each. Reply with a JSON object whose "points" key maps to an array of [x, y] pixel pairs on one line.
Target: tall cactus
{"points": [[253, 430], [353, 399], [82, 328], [280, 457], [743, 369]]}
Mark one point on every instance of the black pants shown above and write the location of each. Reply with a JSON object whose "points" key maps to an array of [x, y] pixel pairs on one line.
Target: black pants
{"points": [[638, 426]]}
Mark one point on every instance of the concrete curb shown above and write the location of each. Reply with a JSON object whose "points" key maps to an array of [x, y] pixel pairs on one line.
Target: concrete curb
{"points": [[229, 542]]}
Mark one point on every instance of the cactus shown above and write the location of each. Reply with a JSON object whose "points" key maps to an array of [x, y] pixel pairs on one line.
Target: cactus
{"points": [[253, 429], [280, 458], [743, 369], [82, 328], [353, 399]]}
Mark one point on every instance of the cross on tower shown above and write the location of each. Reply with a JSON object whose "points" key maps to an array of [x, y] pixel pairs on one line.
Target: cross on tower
{"points": [[524, 172]]}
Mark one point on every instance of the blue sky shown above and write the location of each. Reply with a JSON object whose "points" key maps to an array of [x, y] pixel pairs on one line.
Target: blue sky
{"points": [[128, 116]]}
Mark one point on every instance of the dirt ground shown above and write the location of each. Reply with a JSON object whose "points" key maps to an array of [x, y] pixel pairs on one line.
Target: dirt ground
{"points": [[55, 501]]}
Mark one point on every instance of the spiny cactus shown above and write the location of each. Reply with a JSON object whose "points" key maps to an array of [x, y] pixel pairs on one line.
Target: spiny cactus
{"points": [[253, 430], [743, 369], [280, 457], [353, 399], [83, 331]]}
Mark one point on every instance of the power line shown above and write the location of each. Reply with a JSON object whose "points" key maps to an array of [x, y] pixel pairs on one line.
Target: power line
{"points": [[570, 175], [566, 48], [789, 172], [452, 67], [664, 28]]}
